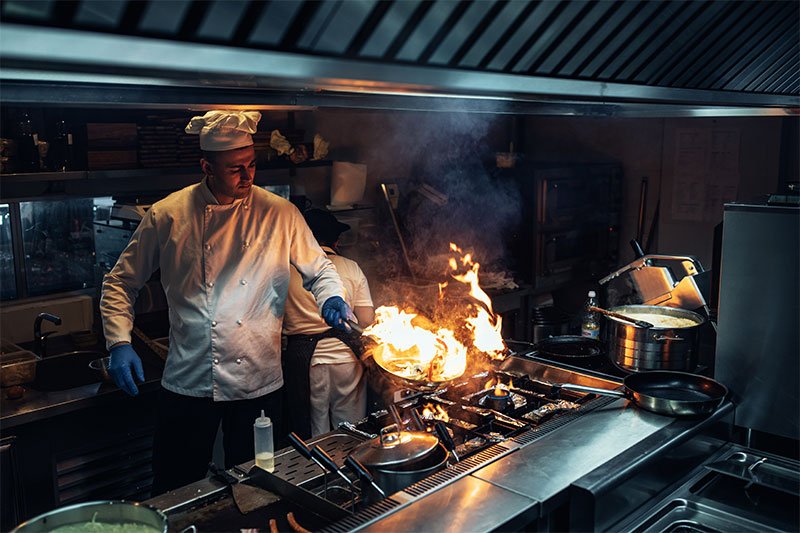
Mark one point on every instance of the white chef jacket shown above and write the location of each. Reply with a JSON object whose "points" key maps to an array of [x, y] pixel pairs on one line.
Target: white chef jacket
{"points": [[225, 271], [303, 319]]}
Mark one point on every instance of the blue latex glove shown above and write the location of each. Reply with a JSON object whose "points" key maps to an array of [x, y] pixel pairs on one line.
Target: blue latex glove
{"points": [[336, 312], [123, 357]]}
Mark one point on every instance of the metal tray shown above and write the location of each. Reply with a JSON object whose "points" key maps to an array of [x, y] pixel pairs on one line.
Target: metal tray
{"points": [[771, 472]]}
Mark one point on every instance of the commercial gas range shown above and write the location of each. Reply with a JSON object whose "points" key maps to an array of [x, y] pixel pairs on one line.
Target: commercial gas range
{"points": [[484, 429]]}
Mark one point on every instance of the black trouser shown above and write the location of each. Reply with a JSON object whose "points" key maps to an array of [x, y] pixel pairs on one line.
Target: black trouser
{"points": [[296, 362], [187, 428]]}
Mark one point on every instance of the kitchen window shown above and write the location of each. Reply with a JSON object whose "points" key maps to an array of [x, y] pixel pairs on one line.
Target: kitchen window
{"points": [[56, 246], [58, 243]]}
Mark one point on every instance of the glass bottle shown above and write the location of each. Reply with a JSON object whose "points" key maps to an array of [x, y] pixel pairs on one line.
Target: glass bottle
{"points": [[61, 148], [590, 321], [27, 144]]}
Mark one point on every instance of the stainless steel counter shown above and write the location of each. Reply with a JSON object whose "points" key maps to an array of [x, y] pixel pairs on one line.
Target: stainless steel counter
{"points": [[534, 479], [38, 405], [545, 468], [469, 504]]}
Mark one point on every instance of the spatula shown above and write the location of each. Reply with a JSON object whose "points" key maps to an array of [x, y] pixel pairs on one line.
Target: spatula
{"points": [[246, 497]]}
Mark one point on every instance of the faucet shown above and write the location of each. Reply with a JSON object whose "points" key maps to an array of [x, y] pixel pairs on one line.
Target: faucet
{"points": [[39, 338]]}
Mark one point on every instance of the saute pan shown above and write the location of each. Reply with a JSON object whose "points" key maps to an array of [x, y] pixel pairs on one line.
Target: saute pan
{"points": [[666, 393]]}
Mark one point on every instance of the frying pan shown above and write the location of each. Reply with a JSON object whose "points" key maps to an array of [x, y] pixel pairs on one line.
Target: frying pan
{"points": [[569, 346], [666, 392]]}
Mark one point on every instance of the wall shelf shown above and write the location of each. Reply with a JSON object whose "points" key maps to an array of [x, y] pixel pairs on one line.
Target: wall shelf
{"points": [[29, 177]]}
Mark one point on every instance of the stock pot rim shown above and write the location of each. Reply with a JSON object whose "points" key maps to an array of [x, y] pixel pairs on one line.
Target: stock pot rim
{"points": [[660, 310]]}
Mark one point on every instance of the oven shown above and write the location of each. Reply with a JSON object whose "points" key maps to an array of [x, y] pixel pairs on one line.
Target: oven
{"points": [[572, 230]]}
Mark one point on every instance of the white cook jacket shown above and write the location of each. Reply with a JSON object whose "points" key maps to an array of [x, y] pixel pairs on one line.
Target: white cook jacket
{"points": [[225, 271], [302, 317]]}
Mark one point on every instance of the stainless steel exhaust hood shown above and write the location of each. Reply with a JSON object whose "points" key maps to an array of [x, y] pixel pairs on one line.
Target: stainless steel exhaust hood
{"points": [[620, 58]]}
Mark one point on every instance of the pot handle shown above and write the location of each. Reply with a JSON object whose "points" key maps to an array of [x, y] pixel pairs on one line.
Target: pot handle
{"points": [[387, 431], [593, 390], [661, 338]]}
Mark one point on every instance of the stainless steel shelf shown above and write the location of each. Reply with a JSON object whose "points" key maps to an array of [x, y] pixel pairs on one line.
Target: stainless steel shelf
{"points": [[32, 177]]}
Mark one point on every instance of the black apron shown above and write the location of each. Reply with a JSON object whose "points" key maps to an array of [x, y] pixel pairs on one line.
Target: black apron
{"points": [[296, 363]]}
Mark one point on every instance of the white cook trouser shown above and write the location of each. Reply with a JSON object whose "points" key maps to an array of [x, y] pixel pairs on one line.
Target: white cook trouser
{"points": [[338, 394]]}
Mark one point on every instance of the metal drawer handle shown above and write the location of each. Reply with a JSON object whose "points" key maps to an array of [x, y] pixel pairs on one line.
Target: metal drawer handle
{"points": [[657, 337]]}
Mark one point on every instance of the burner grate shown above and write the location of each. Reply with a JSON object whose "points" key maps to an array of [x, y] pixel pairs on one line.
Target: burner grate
{"points": [[558, 421], [365, 515], [297, 470]]}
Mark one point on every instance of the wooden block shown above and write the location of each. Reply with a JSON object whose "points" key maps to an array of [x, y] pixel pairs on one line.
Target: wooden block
{"points": [[111, 135], [111, 159]]}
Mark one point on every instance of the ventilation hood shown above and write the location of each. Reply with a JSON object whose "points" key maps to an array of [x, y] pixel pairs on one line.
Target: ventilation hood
{"points": [[620, 58]]}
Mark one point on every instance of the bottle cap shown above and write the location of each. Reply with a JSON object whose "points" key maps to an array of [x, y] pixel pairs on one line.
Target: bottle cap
{"points": [[263, 421], [592, 294]]}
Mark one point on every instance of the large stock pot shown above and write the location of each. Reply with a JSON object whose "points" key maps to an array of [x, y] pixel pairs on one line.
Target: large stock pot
{"points": [[670, 345], [114, 515]]}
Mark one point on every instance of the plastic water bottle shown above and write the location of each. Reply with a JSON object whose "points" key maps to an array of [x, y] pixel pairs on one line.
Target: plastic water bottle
{"points": [[264, 446], [590, 323]]}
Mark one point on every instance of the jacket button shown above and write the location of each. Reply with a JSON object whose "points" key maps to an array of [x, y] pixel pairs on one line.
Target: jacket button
{"points": [[243, 282], [216, 361], [208, 246], [239, 322], [213, 323], [210, 283], [238, 361]]}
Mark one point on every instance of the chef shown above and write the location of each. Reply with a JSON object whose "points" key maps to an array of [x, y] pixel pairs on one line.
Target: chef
{"points": [[225, 249], [324, 376]]}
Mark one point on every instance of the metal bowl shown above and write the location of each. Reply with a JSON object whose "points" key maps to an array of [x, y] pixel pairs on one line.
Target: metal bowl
{"points": [[110, 511], [101, 366]]}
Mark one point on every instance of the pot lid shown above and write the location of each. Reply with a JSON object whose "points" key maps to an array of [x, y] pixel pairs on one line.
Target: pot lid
{"points": [[394, 448]]}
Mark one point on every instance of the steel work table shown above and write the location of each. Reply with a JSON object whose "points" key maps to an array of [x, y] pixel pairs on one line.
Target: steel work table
{"points": [[534, 479]]}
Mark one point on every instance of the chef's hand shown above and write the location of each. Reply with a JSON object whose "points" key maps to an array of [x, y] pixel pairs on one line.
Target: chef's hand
{"points": [[336, 313], [123, 358]]}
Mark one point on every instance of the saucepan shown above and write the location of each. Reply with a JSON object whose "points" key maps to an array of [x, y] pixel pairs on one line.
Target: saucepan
{"points": [[666, 392]]}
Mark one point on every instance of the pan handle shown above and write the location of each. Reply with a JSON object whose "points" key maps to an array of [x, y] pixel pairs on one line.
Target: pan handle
{"points": [[594, 390]]}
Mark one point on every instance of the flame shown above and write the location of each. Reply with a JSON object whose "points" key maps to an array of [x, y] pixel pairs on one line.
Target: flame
{"points": [[435, 412], [423, 351], [414, 352], [500, 388], [442, 287], [485, 326]]}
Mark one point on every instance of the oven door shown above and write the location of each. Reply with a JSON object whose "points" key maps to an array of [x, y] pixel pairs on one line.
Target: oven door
{"points": [[563, 200], [560, 251]]}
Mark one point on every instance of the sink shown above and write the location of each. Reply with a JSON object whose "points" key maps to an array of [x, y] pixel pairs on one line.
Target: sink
{"points": [[67, 370]]}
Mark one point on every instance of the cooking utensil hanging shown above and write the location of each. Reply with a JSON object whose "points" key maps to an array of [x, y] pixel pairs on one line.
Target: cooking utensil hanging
{"points": [[396, 225], [666, 393]]}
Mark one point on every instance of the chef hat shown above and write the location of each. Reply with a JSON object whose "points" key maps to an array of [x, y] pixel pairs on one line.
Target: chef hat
{"points": [[222, 129], [324, 225]]}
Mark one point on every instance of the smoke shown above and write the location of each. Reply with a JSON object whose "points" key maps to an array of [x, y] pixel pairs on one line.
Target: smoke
{"points": [[454, 154]]}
